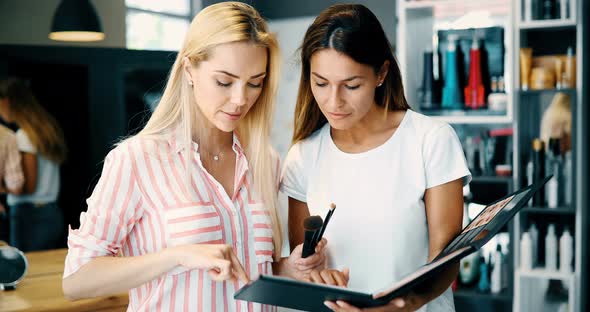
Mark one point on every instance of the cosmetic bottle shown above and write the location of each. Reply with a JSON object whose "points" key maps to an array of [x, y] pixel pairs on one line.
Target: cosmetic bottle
{"points": [[528, 10], [451, 94], [484, 280], [566, 251], [567, 178], [526, 250], [534, 235], [538, 170], [569, 75], [553, 186], [496, 280], [474, 91], [551, 249]]}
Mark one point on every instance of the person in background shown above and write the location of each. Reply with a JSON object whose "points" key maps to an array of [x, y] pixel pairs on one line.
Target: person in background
{"points": [[11, 174], [395, 175], [190, 203], [36, 222]]}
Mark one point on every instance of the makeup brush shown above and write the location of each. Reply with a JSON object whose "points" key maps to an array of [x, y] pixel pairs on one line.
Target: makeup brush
{"points": [[326, 220], [311, 226]]}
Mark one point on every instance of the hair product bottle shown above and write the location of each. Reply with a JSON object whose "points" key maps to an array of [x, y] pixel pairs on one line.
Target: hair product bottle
{"points": [[538, 170], [551, 249], [534, 235], [566, 251], [526, 250]]}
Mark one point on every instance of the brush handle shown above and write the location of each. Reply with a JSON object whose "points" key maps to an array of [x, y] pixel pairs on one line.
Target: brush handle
{"points": [[321, 234]]}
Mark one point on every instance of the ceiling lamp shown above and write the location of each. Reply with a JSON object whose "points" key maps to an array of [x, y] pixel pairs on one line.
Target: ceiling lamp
{"points": [[76, 20]]}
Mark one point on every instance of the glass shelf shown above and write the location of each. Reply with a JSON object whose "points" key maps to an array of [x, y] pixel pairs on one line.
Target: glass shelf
{"points": [[477, 116], [537, 92], [563, 210], [543, 273], [471, 294], [541, 24]]}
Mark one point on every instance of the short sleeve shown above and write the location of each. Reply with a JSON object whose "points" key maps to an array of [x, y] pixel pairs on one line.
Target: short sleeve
{"points": [[24, 143], [294, 177], [113, 209], [444, 158]]}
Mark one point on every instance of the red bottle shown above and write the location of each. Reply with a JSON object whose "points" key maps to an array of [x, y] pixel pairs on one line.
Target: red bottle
{"points": [[474, 91]]}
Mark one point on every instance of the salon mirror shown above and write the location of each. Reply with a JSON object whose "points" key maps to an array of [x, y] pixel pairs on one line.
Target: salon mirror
{"points": [[13, 266]]}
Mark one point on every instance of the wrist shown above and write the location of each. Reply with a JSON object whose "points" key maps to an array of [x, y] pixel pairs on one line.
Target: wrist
{"points": [[172, 256]]}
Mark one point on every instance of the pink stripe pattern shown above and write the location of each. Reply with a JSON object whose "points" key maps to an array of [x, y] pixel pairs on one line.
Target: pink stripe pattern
{"points": [[144, 202]]}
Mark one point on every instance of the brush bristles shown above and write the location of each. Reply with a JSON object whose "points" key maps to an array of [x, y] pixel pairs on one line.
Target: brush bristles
{"points": [[313, 223]]}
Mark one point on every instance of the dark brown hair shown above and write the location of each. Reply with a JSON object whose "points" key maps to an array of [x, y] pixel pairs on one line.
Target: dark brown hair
{"points": [[354, 30], [41, 128]]}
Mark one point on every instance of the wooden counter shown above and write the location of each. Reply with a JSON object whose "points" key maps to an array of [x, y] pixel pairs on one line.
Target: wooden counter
{"points": [[41, 290]]}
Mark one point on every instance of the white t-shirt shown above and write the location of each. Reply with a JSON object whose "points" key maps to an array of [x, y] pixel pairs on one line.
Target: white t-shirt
{"points": [[379, 229], [48, 178]]}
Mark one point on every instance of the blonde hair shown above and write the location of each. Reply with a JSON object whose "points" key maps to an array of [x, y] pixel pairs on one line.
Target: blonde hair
{"points": [[218, 24], [41, 128], [557, 118]]}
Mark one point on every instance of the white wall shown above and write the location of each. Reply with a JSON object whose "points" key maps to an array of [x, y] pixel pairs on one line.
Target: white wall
{"points": [[290, 34], [28, 22]]}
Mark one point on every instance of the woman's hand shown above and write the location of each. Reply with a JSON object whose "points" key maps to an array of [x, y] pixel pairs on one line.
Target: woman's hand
{"points": [[300, 268], [218, 259], [410, 302], [330, 277]]}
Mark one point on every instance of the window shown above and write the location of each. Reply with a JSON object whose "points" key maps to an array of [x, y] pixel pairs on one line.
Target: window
{"points": [[156, 24]]}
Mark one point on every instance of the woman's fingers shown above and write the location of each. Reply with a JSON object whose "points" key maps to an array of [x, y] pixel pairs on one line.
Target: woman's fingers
{"points": [[327, 277], [340, 278], [310, 262], [341, 306], [221, 270], [330, 277], [321, 244], [238, 268], [331, 305], [315, 277], [346, 306]]}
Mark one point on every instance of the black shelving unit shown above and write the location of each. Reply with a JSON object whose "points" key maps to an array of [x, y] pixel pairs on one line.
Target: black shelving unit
{"points": [[468, 299], [564, 210]]}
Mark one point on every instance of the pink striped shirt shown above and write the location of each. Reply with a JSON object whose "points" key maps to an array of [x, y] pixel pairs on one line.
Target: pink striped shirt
{"points": [[11, 173], [142, 204]]}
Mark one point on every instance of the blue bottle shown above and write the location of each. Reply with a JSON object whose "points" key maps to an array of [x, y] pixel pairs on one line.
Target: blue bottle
{"points": [[451, 95], [484, 279]]}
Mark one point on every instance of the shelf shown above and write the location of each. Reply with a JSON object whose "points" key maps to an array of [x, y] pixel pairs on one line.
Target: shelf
{"points": [[473, 294], [459, 116], [542, 273], [537, 92], [429, 4], [548, 24], [546, 210], [491, 179]]}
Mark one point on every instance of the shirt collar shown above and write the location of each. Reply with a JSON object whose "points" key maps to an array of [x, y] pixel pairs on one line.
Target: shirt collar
{"points": [[178, 143]]}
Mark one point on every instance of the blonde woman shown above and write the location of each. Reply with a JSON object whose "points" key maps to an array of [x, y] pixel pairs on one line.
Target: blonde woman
{"points": [[36, 222], [190, 203]]}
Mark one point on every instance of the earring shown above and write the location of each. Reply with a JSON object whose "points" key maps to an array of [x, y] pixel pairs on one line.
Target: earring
{"points": [[190, 82], [380, 84]]}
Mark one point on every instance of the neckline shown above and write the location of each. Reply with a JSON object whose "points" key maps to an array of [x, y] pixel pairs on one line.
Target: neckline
{"points": [[369, 152]]}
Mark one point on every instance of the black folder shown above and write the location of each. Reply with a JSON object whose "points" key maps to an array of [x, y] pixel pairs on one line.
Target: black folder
{"points": [[290, 293]]}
